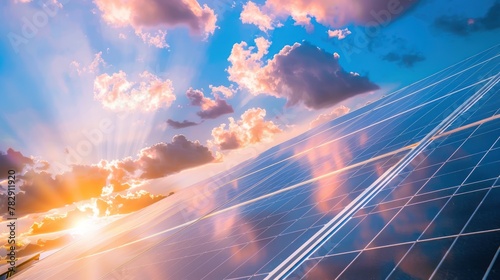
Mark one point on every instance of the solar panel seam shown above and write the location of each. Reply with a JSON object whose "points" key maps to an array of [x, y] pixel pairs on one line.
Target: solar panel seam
{"points": [[232, 207], [465, 226], [406, 242], [431, 222], [456, 238], [301, 254], [490, 267], [279, 196]]}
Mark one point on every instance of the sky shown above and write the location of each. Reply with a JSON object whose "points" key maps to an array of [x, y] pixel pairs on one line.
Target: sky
{"points": [[110, 105]]}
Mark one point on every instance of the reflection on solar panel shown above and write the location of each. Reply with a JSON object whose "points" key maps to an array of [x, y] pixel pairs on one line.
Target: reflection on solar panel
{"points": [[406, 187]]}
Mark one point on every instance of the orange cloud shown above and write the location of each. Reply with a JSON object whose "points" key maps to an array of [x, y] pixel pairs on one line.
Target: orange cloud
{"points": [[250, 129], [41, 191], [43, 245], [116, 93], [337, 112], [58, 223], [123, 204]]}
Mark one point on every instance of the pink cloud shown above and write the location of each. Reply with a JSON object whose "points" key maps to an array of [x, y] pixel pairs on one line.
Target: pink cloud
{"points": [[301, 73], [156, 39], [250, 129], [337, 112], [252, 14], [210, 109], [144, 15], [228, 92], [93, 67], [339, 33], [336, 13], [117, 93]]}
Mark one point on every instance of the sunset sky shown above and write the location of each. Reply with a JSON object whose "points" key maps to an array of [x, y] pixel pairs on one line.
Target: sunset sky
{"points": [[104, 102]]}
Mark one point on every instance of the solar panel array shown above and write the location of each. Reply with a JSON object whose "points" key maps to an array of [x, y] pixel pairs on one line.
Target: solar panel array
{"points": [[405, 187]]}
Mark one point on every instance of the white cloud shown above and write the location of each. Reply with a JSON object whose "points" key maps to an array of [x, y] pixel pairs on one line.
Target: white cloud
{"points": [[117, 93]]}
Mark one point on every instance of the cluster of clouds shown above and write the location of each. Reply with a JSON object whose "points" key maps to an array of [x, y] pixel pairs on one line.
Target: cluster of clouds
{"points": [[151, 19], [335, 113], [117, 93], [164, 159], [329, 13], [463, 26], [104, 206], [301, 73], [210, 108], [41, 191], [250, 129]]}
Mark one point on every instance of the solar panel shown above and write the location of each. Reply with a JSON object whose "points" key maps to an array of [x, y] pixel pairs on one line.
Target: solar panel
{"points": [[405, 187]]}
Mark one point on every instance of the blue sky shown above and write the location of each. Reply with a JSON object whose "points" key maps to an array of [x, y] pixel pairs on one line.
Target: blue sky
{"points": [[93, 83], [42, 92]]}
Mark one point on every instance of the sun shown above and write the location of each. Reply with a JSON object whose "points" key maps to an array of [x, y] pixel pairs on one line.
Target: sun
{"points": [[84, 226]]}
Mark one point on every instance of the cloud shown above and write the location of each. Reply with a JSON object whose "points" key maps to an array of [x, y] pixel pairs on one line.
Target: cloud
{"points": [[301, 73], [463, 26], [210, 109], [407, 60], [228, 92], [339, 33], [155, 39], [250, 129], [178, 125], [158, 15], [252, 14], [44, 245], [116, 93], [41, 191], [333, 14], [13, 160], [59, 223], [337, 112], [93, 67], [124, 204], [164, 159]]}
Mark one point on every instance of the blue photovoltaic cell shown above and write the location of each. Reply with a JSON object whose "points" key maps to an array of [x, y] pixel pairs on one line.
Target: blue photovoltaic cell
{"points": [[318, 206]]}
